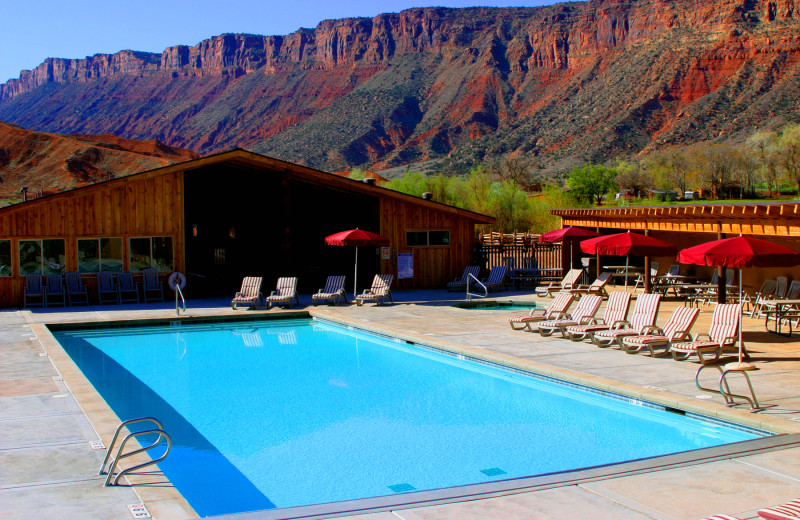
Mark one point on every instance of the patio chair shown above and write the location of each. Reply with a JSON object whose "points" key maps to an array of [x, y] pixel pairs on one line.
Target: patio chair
{"points": [[54, 293], [496, 279], [105, 287], [644, 315], [676, 329], [583, 313], [381, 290], [640, 280], [460, 284], [76, 291], [788, 511], [569, 281], [722, 336], [34, 292], [152, 290], [284, 294], [616, 311], [557, 308], [249, 294], [127, 289], [792, 293], [332, 292], [596, 287], [766, 292]]}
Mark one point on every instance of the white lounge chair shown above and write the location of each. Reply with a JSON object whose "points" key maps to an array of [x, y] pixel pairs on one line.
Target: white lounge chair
{"points": [[332, 292], [570, 281], [285, 293], [616, 311], [249, 294], [583, 313], [557, 308], [722, 336], [596, 287], [676, 329], [379, 292], [644, 315]]}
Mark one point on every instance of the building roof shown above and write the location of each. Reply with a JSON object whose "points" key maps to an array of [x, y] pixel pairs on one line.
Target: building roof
{"points": [[248, 159], [751, 218]]}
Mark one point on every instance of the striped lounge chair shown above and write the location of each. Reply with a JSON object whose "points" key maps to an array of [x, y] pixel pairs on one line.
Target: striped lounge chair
{"points": [[788, 511], [284, 294], [616, 311], [722, 336], [676, 329], [644, 315], [332, 292], [597, 287], [496, 278], [249, 294], [569, 281], [460, 284], [381, 290], [555, 310], [584, 311]]}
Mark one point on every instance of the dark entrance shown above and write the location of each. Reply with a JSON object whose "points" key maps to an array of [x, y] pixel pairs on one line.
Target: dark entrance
{"points": [[247, 222]]}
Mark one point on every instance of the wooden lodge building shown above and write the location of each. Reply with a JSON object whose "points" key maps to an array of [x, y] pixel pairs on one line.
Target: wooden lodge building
{"points": [[222, 217]]}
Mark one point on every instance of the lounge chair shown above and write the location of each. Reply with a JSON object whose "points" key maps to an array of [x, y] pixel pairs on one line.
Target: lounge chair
{"points": [[766, 292], [34, 292], [788, 511], [249, 294], [152, 290], [496, 279], [644, 315], [460, 284], [569, 281], [54, 293], [722, 336], [676, 329], [332, 292], [583, 313], [596, 287], [381, 290], [557, 308], [105, 287], [616, 311], [284, 294], [127, 289], [76, 291]]}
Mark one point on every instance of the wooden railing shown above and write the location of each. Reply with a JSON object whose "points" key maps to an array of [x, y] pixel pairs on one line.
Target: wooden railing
{"points": [[547, 255]]}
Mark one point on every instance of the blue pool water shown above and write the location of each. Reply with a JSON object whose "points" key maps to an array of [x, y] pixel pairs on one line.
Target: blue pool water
{"points": [[295, 412]]}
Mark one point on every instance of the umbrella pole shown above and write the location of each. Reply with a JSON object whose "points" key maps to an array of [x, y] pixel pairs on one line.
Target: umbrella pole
{"points": [[627, 259], [740, 365], [355, 278]]}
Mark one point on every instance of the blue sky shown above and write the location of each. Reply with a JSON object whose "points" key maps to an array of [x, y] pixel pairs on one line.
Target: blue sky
{"points": [[32, 30]]}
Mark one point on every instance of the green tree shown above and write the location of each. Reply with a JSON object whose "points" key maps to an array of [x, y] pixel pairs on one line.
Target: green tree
{"points": [[763, 147], [591, 182], [633, 177], [789, 153]]}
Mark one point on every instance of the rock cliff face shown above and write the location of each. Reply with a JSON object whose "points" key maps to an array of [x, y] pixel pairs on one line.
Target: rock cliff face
{"points": [[576, 80], [48, 163]]}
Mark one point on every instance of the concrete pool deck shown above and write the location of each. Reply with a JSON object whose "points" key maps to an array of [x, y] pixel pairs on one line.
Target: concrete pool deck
{"points": [[49, 414]]}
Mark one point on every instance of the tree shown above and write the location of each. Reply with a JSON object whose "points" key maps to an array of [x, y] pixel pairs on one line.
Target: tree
{"points": [[633, 178], [670, 169], [789, 153], [591, 182], [521, 169], [716, 165], [763, 146]]}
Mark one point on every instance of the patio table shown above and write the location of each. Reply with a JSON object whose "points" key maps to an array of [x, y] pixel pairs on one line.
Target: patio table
{"points": [[619, 271], [783, 309]]}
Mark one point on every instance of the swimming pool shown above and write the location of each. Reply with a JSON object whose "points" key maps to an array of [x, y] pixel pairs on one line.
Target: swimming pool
{"points": [[279, 414]]}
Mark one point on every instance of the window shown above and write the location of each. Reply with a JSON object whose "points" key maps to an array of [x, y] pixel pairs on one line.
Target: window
{"points": [[41, 256], [152, 252], [5, 257], [427, 238], [99, 254]]}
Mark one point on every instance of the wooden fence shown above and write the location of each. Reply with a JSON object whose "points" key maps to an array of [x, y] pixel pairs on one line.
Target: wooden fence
{"points": [[519, 256]]}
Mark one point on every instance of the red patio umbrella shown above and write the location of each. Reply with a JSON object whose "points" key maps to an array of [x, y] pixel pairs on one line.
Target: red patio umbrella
{"points": [[568, 232], [740, 252], [627, 244], [356, 238]]}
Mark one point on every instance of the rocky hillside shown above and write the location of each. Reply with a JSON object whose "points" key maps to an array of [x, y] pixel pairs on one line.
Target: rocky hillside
{"points": [[47, 163], [567, 83]]}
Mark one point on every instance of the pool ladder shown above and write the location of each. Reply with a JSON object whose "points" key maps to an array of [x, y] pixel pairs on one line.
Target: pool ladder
{"points": [[106, 469], [469, 295]]}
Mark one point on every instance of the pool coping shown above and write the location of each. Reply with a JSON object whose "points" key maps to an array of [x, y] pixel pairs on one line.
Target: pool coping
{"points": [[168, 500]]}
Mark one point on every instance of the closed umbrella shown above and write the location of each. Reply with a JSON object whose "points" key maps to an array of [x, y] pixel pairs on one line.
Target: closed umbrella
{"points": [[567, 232], [740, 252], [356, 238], [627, 244]]}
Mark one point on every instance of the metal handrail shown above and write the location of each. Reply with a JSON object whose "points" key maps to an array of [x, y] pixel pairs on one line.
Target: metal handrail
{"points": [[119, 456], [470, 294], [179, 293]]}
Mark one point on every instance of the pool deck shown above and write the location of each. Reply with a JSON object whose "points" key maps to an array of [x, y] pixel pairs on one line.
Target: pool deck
{"points": [[49, 413]]}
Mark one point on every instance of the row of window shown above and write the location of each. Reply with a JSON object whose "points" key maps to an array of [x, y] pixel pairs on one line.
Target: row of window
{"points": [[47, 256]]}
